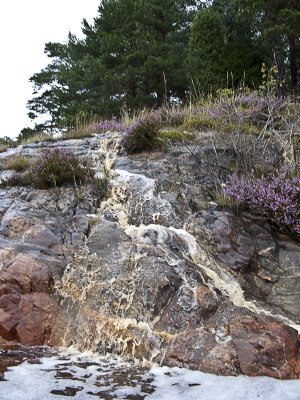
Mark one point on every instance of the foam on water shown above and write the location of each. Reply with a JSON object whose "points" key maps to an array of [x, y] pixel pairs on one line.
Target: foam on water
{"points": [[220, 278], [179, 383], [83, 376]]}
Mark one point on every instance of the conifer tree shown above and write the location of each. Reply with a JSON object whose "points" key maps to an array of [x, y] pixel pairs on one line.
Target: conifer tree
{"points": [[206, 51], [132, 55]]}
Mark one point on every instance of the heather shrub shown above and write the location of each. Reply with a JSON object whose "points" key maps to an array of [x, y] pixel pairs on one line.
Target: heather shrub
{"points": [[88, 130], [112, 125], [56, 167], [142, 134], [170, 116], [17, 179], [235, 112], [274, 195]]}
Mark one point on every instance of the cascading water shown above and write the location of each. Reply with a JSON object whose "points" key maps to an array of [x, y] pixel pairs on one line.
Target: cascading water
{"points": [[144, 288], [113, 302]]}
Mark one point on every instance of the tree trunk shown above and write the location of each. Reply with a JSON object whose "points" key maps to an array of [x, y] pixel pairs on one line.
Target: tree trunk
{"points": [[293, 63], [278, 62]]}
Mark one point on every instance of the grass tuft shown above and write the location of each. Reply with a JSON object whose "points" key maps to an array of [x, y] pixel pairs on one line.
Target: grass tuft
{"points": [[18, 163]]}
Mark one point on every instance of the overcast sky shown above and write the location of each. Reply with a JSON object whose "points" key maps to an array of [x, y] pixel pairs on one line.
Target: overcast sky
{"points": [[26, 25]]}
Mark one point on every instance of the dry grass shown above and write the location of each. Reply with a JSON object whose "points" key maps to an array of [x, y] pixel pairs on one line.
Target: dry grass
{"points": [[223, 199], [38, 138], [17, 163], [77, 134]]}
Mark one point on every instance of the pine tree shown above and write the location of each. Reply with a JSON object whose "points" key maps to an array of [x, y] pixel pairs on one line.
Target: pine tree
{"points": [[206, 51], [278, 22], [244, 50], [132, 56]]}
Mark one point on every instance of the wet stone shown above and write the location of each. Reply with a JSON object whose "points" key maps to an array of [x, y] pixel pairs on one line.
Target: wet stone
{"points": [[155, 271], [105, 238]]}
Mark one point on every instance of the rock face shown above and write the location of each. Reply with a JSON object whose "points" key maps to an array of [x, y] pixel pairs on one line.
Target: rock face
{"points": [[275, 353], [39, 232], [265, 262], [154, 271]]}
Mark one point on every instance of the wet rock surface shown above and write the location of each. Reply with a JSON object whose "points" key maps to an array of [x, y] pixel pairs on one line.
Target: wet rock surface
{"points": [[12, 355], [154, 271], [265, 262], [39, 232]]}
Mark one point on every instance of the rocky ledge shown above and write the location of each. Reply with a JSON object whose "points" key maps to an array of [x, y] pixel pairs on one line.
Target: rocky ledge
{"points": [[154, 271]]}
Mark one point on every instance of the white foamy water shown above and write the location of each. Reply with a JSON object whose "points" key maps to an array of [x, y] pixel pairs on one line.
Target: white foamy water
{"points": [[81, 377], [180, 383]]}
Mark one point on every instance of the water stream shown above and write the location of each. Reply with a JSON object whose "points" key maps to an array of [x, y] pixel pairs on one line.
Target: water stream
{"points": [[100, 293]]}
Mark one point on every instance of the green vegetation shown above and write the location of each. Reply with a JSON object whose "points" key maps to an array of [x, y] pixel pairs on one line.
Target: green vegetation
{"points": [[163, 53], [274, 195], [53, 168], [142, 134], [6, 143], [56, 167], [160, 72], [232, 113], [17, 163]]}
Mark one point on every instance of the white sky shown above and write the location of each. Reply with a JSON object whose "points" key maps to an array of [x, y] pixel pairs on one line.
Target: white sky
{"points": [[25, 27]]}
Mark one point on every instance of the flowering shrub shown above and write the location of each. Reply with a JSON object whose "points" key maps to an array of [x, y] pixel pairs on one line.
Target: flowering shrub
{"points": [[142, 134], [243, 112], [246, 108], [55, 167], [111, 125], [273, 195], [17, 179]]}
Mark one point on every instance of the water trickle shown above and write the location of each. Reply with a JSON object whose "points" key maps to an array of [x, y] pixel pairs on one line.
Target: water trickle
{"points": [[145, 263]]}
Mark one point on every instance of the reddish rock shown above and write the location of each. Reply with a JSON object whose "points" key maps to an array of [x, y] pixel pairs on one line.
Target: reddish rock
{"points": [[25, 275], [8, 322], [247, 345], [27, 318], [41, 236], [266, 348], [203, 349], [25, 304], [9, 317], [8, 289], [35, 313], [10, 302]]}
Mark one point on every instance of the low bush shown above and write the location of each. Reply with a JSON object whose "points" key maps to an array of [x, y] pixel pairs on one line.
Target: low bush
{"points": [[112, 125], [274, 195], [17, 179], [142, 134], [56, 167], [247, 113]]}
